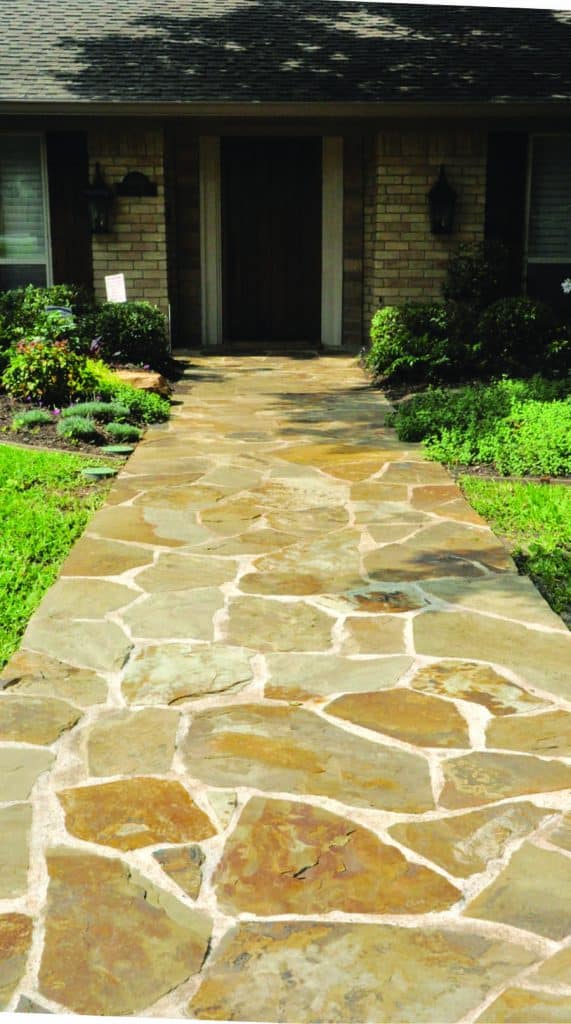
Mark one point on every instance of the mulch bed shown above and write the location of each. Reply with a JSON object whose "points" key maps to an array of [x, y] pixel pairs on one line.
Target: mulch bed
{"points": [[44, 435]]}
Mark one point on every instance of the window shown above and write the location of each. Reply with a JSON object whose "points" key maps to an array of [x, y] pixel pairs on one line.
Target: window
{"points": [[24, 248], [549, 221]]}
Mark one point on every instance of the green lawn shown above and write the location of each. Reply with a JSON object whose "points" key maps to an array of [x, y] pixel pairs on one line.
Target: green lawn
{"points": [[45, 503], [535, 519]]}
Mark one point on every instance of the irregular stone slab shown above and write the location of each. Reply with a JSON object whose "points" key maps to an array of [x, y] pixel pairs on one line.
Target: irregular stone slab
{"points": [[92, 557], [277, 626], [467, 843], [303, 676], [176, 615], [292, 858], [379, 634], [412, 717], [446, 501], [547, 734], [231, 479], [38, 720], [185, 572], [19, 769], [561, 836], [309, 520], [523, 1006], [326, 565], [26, 1005], [287, 749], [84, 599], [479, 684], [307, 496], [42, 676], [134, 813], [556, 970], [132, 742], [15, 939], [142, 942], [482, 778], [385, 533], [101, 646], [15, 824], [176, 673], [232, 515], [416, 473], [349, 462], [185, 498], [253, 543], [373, 598], [387, 515], [512, 596], [184, 866], [542, 659], [532, 892], [377, 491], [352, 972], [148, 525], [443, 550]]}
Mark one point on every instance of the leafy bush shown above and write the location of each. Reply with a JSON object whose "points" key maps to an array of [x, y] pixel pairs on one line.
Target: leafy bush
{"points": [[479, 273], [101, 411], [47, 372], [411, 342], [23, 313], [130, 332], [513, 335], [31, 418], [143, 406], [77, 428], [123, 431]]}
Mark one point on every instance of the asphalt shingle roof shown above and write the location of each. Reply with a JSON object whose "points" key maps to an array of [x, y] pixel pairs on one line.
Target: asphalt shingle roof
{"points": [[181, 51]]}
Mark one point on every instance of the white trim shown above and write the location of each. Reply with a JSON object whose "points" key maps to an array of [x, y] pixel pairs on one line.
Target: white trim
{"points": [[47, 262], [332, 243], [210, 240]]}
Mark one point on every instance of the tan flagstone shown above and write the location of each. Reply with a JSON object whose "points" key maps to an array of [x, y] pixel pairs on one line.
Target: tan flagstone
{"points": [[483, 778], [148, 525], [389, 514], [185, 572], [349, 462], [132, 742], [15, 824], [39, 675], [405, 715], [386, 533], [268, 625], [134, 813], [561, 836], [176, 615], [547, 734], [329, 564], [313, 495], [445, 500], [175, 496], [379, 634], [466, 843], [93, 557], [447, 549], [287, 749], [416, 473], [532, 892], [352, 972], [15, 940], [184, 865], [509, 595], [174, 673], [309, 520], [523, 1006], [303, 676], [140, 942], [253, 542], [376, 491], [479, 684], [38, 720], [84, 599], [541, 659], [19, 769], [556, 970], [292, 858], [101, 646]]}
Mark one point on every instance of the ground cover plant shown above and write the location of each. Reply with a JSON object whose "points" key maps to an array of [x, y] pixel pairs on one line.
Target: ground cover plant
{"points": [[45, 503]]}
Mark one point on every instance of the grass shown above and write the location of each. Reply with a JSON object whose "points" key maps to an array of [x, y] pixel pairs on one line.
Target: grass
{"points": [[45, 504], [535, 519]]}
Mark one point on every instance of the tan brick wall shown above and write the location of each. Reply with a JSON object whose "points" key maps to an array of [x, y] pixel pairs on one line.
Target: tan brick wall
{"points": [[136, 244], [402, 259]]}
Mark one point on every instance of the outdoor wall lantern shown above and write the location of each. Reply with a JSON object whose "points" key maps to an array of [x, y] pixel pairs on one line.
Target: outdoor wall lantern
{"points": [[441, 205], [100, 197], [135, 183]]}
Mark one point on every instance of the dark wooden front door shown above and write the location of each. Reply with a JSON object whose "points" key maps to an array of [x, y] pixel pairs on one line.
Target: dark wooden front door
{"points": [[271, 239]]}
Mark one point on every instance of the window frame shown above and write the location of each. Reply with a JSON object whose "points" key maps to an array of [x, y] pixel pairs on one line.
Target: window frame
{"points": [[48, 263], [538, 260]]}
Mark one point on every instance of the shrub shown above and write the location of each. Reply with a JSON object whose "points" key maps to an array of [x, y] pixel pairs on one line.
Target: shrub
{"points": [[101, 411], [130, 332], [143, 406], [23, 313], [123, 431], [420, 341], [78, 428], [513, 335], [31, 418], [47, 372], [479, 273]]}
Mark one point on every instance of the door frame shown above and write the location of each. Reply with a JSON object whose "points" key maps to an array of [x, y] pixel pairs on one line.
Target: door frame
{"points": [[331, 241]]}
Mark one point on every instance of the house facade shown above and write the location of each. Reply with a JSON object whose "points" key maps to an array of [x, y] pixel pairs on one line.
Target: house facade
{"points": [[287, 150]]}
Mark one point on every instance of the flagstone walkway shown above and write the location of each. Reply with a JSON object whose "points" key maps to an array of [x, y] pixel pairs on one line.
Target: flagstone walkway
{"points": [[289, 740]]}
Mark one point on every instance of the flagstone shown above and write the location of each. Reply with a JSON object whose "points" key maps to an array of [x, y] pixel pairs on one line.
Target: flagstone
{"points": [[15, 941], [547, 734], [288, 749], [405, 715], [134, 813], [39, 720], [141, 942], [386, 533], [378, 634], [148, 525], [447, 549], [184, 865], [313, 495], [253, 542], [561, 836], [268, 625], [292, 858], [523, 1006], [349, 462], [376, 491], [303, 676], [39, 675], [329, 564], [84, 599], [176, 615], [93, 557], [556, 970], [174, 673], [20, 767], [541, 659], [132, 742], [509, 595], [532, 892], [466, 843], [346, 972], [185, 572], [309, 520], [389, 514], [479, 684], [416, 473], [484, 777], [15, 824], [101, 646], [444, 500], [175, 496]]}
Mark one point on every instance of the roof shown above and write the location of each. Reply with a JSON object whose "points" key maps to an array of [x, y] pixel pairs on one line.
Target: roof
{"points": [[276, 51]]}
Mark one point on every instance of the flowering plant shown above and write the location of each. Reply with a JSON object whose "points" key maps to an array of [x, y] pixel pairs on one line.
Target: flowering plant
{"points": [[566, 285], [48, 372]]}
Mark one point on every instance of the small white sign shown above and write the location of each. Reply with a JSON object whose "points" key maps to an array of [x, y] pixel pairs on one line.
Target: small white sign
{"points": [[115, 288]]}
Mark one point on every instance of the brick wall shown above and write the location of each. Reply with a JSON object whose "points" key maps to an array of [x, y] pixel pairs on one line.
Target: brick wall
{"points": [[402, 259], [136, 244]]}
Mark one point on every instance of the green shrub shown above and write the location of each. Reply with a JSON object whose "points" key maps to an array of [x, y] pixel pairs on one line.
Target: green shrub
{"points": [[130, 332], [123, 432], [47, 372], [78, 428], [143, 406], [479, 273], [100, 411], [31, 418], [23, 313], [513, 335]]}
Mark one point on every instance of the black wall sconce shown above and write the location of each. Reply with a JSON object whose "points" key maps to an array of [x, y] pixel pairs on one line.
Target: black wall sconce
{"points": [[99, 197], [441, 205], [135, 183]]}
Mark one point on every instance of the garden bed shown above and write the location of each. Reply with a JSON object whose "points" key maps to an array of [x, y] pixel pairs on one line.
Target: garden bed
{"points": [[43, 436]]}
